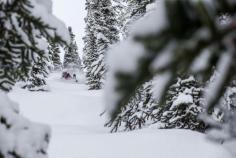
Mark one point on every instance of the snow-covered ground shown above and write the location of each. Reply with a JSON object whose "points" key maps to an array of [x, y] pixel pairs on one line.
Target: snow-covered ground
{"points": [[73, 112]]}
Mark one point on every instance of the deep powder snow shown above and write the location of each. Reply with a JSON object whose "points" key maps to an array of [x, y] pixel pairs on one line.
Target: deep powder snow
{"points": [[73, 113]]}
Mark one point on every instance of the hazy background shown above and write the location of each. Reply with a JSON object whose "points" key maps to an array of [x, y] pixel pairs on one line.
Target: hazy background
{"points": [[72, 12]]}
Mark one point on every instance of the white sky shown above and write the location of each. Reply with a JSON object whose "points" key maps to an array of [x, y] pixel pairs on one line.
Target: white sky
{"points": [[72, 12]]}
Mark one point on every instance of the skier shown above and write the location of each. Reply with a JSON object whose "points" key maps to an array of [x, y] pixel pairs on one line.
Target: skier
{"points": [[74, 77]]}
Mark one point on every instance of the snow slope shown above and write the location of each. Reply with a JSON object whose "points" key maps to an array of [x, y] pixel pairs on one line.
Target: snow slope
{"points": [[78, 132]]}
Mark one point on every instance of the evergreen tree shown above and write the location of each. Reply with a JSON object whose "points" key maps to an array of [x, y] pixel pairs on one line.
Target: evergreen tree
{"points": [[71, 58], [50, 56], [90, 48], [183, 106], [38, 75], [142, 110], [187, 40], [89, 55], [24, 24], [101, 26], [122, 16], [55, 56], [89, 38]]}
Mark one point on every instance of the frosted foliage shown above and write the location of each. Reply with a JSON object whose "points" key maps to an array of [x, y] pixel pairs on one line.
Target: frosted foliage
{"points": [[122, 57], [101, 33], [224, 20], [224, 116], [164, 58], [71, 57], [55, 51], [146, 25], [38, 75], [222, 68], [159, 82], [43, 9], [130, 12], [27, 27], [203, 44], [125, 56], [183, 105], [19, 137], [151, 7], [182, 98], [47, 4], [140, 112], [201, 62], [42, 44]]}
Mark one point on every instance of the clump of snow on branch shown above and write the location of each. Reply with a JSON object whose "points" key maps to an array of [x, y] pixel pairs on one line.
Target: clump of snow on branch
{"points": [[43, 9], [223, 117], [159, 84], [202, 61], [123, 57], [164, 58], [19, 137], [152, 22], [213, 87], [182, 98]]}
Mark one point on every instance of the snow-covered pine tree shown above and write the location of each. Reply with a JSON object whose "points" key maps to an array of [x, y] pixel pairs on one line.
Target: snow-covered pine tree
{"points": [[23, 25], [122, 15], [38, 75], [89, 38], [54, 49], [101, 25], [89, 55], [50, 63], [142, 110], [183, 105], [71, 58]]}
